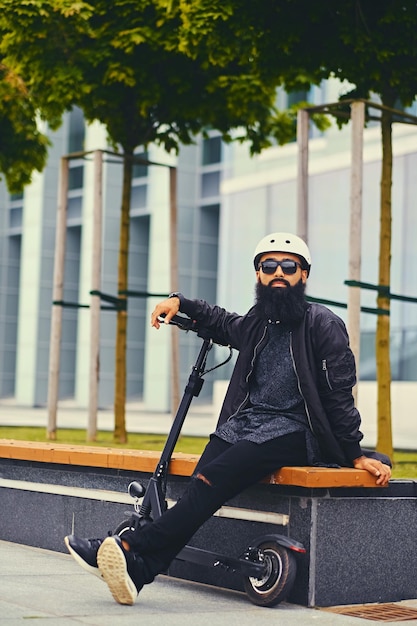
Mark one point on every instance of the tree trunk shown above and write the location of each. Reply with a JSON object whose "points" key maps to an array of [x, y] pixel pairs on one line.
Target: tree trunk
{"points": [[120, 434], [384, 439]]}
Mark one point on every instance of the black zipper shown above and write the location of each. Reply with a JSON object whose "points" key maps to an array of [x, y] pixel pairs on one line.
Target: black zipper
{"points": [[252, 363], [324, 368], [299, 387]]}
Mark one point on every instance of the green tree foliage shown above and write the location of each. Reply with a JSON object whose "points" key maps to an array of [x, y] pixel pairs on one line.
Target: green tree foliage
{"points": [[122, 64], [372, 45], [23, 148], [125, 57]]}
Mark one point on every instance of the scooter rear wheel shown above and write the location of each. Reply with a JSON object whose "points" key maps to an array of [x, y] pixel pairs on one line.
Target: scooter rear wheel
{"points": [[278, 579], [122, 528], [126, 525]]}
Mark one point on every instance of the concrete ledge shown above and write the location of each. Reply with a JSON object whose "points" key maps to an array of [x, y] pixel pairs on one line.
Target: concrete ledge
{"points": [[181, 464], [350, 533]]}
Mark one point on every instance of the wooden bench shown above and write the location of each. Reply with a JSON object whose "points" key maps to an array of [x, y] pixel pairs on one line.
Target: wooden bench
{"points": [[340, 515], [181, 464]]}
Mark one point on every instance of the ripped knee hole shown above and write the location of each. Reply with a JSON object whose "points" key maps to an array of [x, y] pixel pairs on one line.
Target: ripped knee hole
{"points": [[204, 479]]}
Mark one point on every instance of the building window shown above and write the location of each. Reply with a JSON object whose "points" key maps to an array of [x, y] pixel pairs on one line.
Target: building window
{"points": [[138, 197], [210, 184], [294, 97], [140, 170], [76, 130], [74, 209], [212, 150], [15, 217], [15, 211], [76, 177], [14, 197]]}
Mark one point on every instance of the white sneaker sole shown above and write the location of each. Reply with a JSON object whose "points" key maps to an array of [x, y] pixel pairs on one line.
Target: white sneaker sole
{"points": [[88, 568], [113, 567]]}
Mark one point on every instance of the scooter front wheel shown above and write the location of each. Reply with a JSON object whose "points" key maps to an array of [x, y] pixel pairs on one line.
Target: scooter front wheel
{"points": [[275, 585]]}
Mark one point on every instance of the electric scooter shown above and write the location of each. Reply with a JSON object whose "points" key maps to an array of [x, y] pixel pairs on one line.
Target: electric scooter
{"points": [[268, 565]]}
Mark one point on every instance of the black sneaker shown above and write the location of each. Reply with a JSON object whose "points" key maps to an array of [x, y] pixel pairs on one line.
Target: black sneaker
{"points": [[122, 570], [84, 552]]}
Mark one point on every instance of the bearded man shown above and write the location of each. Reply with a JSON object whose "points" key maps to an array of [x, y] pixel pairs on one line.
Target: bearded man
{"points": [[289, 402]]}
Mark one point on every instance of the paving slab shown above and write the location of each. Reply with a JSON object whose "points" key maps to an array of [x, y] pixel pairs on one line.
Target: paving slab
{"points": [[51, 589]]}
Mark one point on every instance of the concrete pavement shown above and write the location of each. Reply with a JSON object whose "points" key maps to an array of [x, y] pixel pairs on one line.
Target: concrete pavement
{"points": [[200, 421], [50, 588]]}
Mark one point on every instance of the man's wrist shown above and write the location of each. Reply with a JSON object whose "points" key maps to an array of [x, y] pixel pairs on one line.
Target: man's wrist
{"points": [[352, 450], [176, 294]]}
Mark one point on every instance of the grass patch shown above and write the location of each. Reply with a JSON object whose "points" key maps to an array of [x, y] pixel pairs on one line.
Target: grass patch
{"points": [[136, 441], [405, 463]]}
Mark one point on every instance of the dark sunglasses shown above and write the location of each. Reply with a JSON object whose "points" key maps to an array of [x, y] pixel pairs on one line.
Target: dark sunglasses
{"points": [[270, 266]]}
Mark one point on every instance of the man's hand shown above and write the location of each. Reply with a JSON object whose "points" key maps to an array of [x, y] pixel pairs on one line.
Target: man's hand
{"points": [[381, 471], [169, 307]]}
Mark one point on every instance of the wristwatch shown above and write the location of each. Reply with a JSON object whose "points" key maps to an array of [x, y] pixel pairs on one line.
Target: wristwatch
{"points": [[175, 294]]}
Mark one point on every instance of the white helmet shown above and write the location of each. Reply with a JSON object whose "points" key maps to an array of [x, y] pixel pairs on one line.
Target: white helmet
{"points": [[283, 242]]}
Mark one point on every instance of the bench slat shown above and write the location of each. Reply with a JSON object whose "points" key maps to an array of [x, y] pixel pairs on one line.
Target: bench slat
{"points": [[181, 464], [323, 477]]}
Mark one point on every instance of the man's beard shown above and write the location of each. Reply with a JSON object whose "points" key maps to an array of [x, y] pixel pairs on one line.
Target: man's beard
{"points": [[281, 304]]}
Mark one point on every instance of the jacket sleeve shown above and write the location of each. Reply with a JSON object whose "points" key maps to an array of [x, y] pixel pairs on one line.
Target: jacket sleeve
{"points": [[336, 377], [225, 328]]}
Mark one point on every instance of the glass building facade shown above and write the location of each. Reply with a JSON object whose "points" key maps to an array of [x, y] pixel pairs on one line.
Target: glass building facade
{"points": [[226, 201]]}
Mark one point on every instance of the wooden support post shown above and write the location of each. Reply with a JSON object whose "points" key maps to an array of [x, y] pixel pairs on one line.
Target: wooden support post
{"points": [[302, 178], [58, 293], [95, 303], [355, 238], [175, 377]]}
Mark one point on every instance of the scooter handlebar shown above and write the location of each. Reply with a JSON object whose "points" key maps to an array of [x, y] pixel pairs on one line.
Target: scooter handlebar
{"points": [[184, 323]]}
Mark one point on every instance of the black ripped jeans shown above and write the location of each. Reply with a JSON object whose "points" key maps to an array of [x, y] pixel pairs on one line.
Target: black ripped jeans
{"points": [[227, 470]]}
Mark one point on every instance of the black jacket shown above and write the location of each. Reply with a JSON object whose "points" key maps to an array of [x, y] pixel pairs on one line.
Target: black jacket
{"points": [[323, 362]]}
